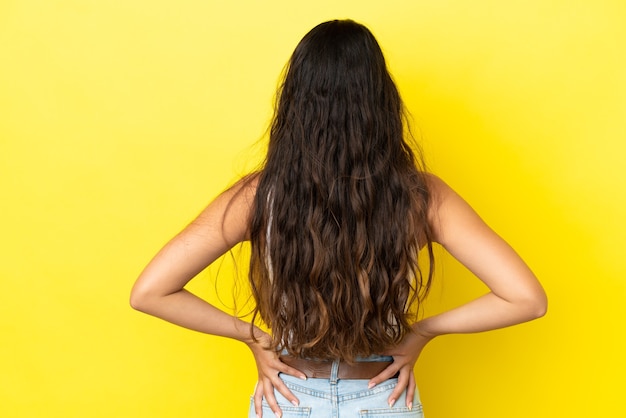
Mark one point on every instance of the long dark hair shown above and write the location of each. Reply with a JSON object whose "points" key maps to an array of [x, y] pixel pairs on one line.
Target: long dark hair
{"points": [[341, 205]]}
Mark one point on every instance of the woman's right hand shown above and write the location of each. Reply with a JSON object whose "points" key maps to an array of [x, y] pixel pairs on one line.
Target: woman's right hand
{"points": [[405, 356], [269, 366]]}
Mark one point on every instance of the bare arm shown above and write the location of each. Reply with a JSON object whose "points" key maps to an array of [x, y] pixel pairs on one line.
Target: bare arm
{"points": [[159, 290], [514, 296]]}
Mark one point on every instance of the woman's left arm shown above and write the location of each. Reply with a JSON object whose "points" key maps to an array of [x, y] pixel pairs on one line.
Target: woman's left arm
{"points": [[159, 290]]}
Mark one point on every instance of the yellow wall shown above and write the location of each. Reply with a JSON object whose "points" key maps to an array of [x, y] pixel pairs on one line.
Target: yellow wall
{"points": [[121, 119]]}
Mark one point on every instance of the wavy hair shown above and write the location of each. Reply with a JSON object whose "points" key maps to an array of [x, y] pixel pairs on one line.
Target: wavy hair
{"points": [[341, 205]]}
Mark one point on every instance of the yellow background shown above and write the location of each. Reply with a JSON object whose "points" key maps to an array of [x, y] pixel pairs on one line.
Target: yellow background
{"points": [[121, 119]]}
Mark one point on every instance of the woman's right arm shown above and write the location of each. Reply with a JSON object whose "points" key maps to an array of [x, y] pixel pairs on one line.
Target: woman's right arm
{"points": [[515, 295]]}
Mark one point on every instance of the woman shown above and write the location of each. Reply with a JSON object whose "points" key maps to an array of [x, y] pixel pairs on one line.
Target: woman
{"points": [[336, 218]]}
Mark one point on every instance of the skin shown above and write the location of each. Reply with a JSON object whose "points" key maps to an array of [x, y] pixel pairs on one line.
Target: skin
{"points": [[514, 296]]}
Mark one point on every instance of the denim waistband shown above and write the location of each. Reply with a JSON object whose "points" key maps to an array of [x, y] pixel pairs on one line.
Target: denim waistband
{"points": [[373, 357]]}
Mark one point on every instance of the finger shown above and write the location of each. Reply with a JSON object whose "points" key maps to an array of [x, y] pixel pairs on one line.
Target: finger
{"points": [[291, 371], [258, 399], [403, 381], [268, 391], [280, 386], [386, 374], [410, 390]]}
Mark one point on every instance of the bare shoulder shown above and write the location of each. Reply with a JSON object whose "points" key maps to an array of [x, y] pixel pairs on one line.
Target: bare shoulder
{"points": [[231, 210], [440, 194], [241, 195], [448, 212], [438, 188]]}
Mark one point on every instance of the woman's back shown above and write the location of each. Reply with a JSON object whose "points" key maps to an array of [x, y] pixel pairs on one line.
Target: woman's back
{"points": [[343, 201]]}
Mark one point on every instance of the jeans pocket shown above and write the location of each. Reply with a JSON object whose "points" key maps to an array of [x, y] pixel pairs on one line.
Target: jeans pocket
{"points": [[403, 412], [288, 411]]}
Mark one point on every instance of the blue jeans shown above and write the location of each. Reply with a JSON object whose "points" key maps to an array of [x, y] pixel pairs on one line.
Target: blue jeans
{"points": [[341, 398]]}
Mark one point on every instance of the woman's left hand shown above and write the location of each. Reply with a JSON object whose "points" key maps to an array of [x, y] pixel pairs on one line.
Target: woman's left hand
{"points": [[269, 366], [405, 356]]}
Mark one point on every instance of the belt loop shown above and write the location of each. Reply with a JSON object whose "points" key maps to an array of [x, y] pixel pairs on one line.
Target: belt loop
{"points": [[334, 372]]}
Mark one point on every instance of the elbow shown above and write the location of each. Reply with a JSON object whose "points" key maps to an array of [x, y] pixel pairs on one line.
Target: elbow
{"points": [[542, 309], [136, 301], [139, 299], [537, 306], [538, 311], [529, 306]]}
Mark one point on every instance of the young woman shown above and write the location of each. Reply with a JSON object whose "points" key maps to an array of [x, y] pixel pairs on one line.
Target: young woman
{"points": [[336, 218]]}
